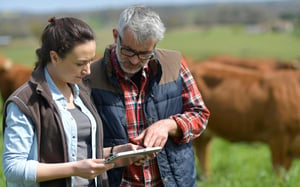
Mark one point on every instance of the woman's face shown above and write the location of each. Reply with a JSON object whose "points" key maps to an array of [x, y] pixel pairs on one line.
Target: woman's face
{"points": [[76, 64]]}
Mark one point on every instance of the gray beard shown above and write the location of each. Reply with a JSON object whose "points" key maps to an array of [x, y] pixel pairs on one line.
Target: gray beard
{"points": [[128, 73]]}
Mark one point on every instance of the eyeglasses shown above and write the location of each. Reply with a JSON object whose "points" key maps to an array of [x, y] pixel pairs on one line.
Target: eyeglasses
{"points": [[142, 55]]}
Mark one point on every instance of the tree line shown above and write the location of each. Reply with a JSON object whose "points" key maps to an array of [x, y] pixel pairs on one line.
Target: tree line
{"points": [[27, 24]]}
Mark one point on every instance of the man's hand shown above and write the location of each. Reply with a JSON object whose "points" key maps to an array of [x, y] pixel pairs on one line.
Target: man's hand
{"points": [[157, 134]]}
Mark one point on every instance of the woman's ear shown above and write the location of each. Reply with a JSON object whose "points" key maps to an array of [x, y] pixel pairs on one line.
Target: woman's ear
{"points": [[54, 57]]}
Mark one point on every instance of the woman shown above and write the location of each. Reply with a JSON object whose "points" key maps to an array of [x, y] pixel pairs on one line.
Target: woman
{"points": [[52, 133]]}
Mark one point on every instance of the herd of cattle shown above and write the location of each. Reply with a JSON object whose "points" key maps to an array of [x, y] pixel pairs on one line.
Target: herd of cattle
{"points": [[251, 100]]}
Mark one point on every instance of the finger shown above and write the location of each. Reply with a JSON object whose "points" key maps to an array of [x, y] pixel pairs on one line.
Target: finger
{"points": [[149, 139], [98, 161], [139, 139], [155, 141], [99, 164], [151, 156], [161, 143], [139, 147], [109, 166], [140, 162]]}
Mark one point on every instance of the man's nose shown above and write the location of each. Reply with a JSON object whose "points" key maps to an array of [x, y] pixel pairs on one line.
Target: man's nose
{"points": [[134, 60]]}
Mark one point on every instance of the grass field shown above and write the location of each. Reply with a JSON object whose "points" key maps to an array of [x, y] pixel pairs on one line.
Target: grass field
{"points": [[232, 165], [195, 42], [199, 43]]}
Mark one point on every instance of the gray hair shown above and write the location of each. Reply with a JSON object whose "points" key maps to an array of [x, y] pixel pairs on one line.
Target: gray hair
{"points": [[143, 22]]}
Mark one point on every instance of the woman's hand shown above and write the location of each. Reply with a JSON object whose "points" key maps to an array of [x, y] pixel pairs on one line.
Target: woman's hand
{"points": [[144, 159], [87, 168], [90, 168]]}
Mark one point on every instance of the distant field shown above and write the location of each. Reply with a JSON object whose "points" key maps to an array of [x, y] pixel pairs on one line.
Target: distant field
{"points": [[199, 43], [195, 42], [233, 165]]}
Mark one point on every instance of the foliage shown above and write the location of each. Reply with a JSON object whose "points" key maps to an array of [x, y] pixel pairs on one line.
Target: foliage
{"points": [[197, 14]]}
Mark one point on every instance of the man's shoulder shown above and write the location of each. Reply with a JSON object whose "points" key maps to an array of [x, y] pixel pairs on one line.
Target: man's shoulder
{"points": [[170, 61], [161, 51], [95, 65]]}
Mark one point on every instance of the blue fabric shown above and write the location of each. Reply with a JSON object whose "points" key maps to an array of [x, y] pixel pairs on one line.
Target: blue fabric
{"points": [[176, 162]]}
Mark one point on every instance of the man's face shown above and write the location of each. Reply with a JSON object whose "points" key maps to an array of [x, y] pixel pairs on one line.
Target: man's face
{"points": [[131, 55]]}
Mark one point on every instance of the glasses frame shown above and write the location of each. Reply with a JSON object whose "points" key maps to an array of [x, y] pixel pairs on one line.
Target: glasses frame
{"points": [[134, 52]]}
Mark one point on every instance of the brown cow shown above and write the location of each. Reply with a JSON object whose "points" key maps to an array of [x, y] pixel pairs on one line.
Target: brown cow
{"points": [[12, 76], [263, 64], [250, 105]]}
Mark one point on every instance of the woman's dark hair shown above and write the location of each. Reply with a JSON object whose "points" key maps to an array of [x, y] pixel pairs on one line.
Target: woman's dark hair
{"points": [[62, 35]]}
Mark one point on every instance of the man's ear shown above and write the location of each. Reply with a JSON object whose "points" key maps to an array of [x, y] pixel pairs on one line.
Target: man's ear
{"points": [[115, 34], [54, 57]]}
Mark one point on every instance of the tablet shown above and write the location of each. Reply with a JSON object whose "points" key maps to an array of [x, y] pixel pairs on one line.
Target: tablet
{"points": [[129, 157]]}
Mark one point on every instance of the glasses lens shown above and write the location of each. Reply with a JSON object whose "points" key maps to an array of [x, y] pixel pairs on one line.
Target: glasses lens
{"points": [[145, 56], [127, 52]]}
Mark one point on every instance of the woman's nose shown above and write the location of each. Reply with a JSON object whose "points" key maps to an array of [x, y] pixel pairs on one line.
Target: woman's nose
{"points": [[87, 69]]}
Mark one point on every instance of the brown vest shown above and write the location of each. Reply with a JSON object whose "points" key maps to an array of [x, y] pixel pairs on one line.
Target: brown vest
{"points": [[35, 101]]}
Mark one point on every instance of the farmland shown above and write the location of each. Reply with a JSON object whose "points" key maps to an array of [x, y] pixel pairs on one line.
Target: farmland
{"points": [[233, 165]]}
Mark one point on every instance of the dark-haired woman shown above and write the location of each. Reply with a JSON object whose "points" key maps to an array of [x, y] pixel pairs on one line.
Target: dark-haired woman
{"points": [[52, 133]]}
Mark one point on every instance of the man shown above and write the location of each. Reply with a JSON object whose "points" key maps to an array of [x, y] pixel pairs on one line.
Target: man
{"points": [[147, 96]]}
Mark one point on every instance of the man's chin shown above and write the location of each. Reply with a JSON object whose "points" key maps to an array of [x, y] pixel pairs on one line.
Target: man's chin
{"points": [[130, 72]]}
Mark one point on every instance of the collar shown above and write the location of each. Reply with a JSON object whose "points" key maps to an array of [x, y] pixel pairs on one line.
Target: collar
{"points": [[56, 94]]}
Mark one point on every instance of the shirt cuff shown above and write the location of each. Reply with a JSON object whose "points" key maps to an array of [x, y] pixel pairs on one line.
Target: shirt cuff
{"points": [[183, 127], [30, 171]]}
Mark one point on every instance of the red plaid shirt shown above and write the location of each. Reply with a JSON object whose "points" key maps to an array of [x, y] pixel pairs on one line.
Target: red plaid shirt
{"points": [[192, 121]]}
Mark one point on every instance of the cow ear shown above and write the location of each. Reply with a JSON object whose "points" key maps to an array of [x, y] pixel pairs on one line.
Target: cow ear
{"points": [[54, 57], [8, 65]]}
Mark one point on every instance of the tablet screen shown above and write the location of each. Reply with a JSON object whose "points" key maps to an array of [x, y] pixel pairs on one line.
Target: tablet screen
{"points": [[129, 157]]}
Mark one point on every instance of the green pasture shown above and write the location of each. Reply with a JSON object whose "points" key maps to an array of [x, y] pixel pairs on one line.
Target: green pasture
{"points": [[197, 43], [232, 164], [202, 43]]}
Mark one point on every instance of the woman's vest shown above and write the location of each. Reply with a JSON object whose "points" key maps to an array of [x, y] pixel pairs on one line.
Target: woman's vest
{"points": [[35, 101]]}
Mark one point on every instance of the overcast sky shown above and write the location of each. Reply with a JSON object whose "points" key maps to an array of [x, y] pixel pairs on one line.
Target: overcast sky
{"points": [[73, 5]]}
